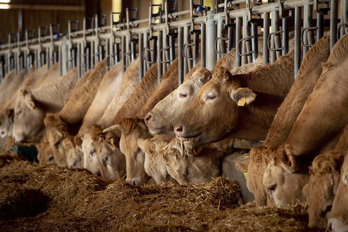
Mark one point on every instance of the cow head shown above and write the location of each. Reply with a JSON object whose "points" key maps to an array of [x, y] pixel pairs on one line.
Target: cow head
{"points": [[6, 122], [56, 131], [256, 166], [285, 178], [166, 113], [44, 155], [74, 155], [131, 130], [154, 164], [112, 162], [200, 168], [217, 109], [86, 142], [338, 218], [321, 189], [28, 117]]}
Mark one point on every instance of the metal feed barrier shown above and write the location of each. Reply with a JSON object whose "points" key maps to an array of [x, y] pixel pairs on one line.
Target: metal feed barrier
{"points": [[168, 34]]}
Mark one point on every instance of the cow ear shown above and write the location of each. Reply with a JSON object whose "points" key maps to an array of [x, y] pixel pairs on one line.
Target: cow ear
{"points": [[29, 100], [243, 166], [288, 160], [113, 143], [9, 113], [242, 96], [78, 140], [206, 76], [112, 128]]}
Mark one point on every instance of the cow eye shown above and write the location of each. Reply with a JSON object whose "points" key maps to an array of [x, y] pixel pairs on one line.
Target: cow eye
{"points": [[210, 97], [183, 95], [18, 112], [186, 172]]}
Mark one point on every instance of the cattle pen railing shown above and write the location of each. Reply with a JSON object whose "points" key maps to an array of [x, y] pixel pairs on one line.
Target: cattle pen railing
{"points": [[196, 34]]}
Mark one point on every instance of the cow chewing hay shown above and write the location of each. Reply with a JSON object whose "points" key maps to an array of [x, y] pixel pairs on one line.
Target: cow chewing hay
{"points": [[40, 198]]}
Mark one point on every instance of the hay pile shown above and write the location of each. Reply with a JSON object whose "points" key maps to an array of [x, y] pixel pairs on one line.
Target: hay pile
{"points": [[41, 198]]}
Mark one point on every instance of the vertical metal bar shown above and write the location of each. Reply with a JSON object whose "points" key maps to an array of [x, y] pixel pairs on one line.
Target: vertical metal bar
{"points": [[344, 17], [266, 23], [186, 42], [123, 52], [203, 46], [333, 23], [100, 53], [141, 64], [79, 60], [285, 38], [180, 56], [238, 37], [230, 38], [88, 63], [133, 50], [320, 25], [254, 42], [159, 56], [306, 24], [154, 50], [172, 48], [146, 55], [117, 53], [275, 43], [220, 43], [195, 47], [60, 59], [211, 38], [297, 52]]}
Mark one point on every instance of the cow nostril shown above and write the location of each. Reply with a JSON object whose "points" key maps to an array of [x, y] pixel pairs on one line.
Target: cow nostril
{"points": [[330, 226], [148, 116], [178, 129]]}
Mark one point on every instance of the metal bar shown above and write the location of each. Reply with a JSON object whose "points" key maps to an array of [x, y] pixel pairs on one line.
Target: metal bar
{"points": [[203, 46], [285, 38], [220, 43], [172, 47], [230, 38], [297, 52], [186, 42], [238, 37], [307, 17], [266, 24], [154, 50], [320, 25], [141, 63], [254, 42], [159, 56], [333, 23], [79, 61], [195, 47], [211, 38], [180, 56]]}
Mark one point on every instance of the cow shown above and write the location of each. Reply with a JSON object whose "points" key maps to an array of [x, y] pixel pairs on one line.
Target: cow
{"points": [[68, 120], [112, 163], [74, 155], [44, 152], [165, 160], [128, 84], [135, 157], [33, 105], [105, 93], [240, 106], [323, 183], [286, 116], [338, 218], [162, 119], [315, 131], [33, 80], [5, 84]]}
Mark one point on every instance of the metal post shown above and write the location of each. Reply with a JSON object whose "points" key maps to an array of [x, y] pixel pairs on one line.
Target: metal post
{"points": [[254, 41], [246, 43], [64, 56], [180, 56], [238, 37], [344, 17], [307, 11], [203, 42], [195, 47], [211, 38], [275, 42], [285, 38], [88, 65], [141, 64], [186, 42], [320, 25], [297, 52], [172, 47], [230, 38], [159, 56], [79, 60], [117, 53], [220, 46], [333, 23], [123, 52], [154, 50]]}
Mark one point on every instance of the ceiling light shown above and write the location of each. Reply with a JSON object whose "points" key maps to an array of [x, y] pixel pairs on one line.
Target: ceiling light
{"points": [[5, 1], [4, 6]]}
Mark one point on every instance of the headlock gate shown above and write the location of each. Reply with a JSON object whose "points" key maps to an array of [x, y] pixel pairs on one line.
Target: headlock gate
{"points": [[199, 33]]}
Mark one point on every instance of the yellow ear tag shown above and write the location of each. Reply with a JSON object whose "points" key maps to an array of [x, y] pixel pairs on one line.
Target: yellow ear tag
{"points": [[245, 172], [241, 102]]}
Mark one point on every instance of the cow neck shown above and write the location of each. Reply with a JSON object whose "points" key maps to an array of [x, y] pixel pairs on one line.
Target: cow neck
{"points": [[54, 96], [257, 118], [276, 78]]}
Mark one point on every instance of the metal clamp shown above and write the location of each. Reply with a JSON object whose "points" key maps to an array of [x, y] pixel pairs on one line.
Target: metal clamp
{"points": [[306, 30]]}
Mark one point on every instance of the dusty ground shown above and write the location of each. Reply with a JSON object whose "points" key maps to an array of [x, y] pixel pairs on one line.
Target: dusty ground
{"points": [[48, 198]]}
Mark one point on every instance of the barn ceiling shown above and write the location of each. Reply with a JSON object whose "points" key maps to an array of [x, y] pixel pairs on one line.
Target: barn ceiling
{"points": [[74, 5]]}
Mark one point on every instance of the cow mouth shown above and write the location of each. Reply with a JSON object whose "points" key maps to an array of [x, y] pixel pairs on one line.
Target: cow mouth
{"points": [[155, 130], [189, 141]]}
